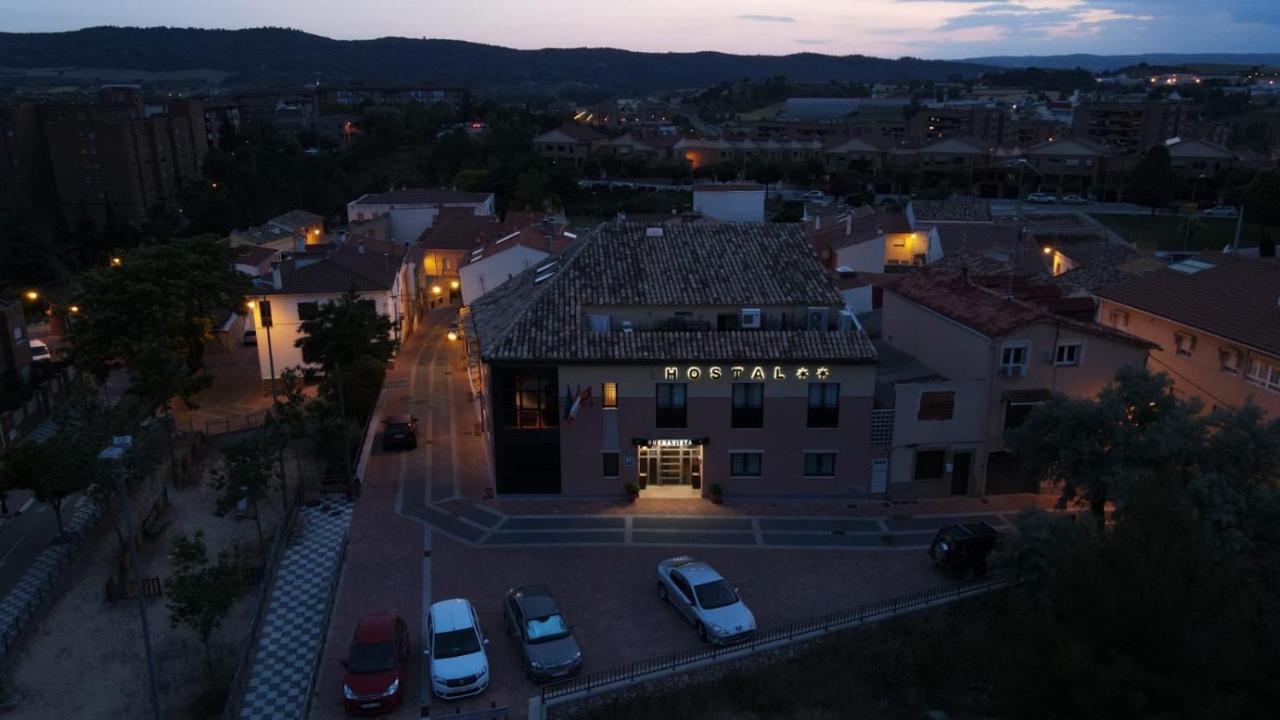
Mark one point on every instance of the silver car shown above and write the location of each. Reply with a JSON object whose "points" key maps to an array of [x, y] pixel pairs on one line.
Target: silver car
{"points": [[705, 599], [532, 615]]}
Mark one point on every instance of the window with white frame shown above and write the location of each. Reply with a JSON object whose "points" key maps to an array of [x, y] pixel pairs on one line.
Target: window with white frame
{"points": [[819, 464], [1185, 343], [745, 463], [1013, 359], [1264, 372], [1229, 360], [1068, 353]]}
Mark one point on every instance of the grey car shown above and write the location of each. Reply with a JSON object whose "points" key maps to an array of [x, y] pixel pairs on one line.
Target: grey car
{"points": [[705, 599], [532, 615]]}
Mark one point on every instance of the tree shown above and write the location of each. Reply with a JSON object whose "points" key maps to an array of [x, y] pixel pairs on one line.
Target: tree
{"points": [[155, 311], [1262, 205], [248, 469], [1135, 428], [1152, 182], [345, 330], [52, 470], [531, 191], [199, 594]]}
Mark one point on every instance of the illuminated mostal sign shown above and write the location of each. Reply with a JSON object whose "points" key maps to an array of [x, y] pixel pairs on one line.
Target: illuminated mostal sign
{"points": [[742, 372]]}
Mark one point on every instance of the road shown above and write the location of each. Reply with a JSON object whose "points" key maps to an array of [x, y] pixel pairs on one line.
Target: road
{"points": [[23, 535]]}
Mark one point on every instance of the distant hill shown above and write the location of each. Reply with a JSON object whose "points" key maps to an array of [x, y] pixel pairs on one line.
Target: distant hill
{"points": [[1099, 63], [282, 57]]}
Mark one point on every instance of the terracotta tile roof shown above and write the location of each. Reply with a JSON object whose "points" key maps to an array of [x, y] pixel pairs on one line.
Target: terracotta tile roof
{"points": [[538, 315], [296, 220], [1236, 298], [461, 231], [989, 311], [254, 254], [579, 133], [546, 235], [840, 231], [422, 196], [977, 237], [953, 210], [343, 268]]}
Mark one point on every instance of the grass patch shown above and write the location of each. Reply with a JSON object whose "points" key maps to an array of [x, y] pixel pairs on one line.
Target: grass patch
{"points": [[1167, 232]]}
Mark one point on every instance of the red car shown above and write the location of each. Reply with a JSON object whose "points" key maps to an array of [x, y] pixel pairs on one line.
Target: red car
{"points": [[375, 665]]}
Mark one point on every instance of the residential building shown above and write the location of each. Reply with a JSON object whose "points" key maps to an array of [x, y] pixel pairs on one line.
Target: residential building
{"points": [[570, 143], [413, 210], [1128, 125], [455, 98], [26, 176], [631, 357], [978, 359], [489, 265], [1214, 322], [116, 154], [376, 271], [1067, 165], [730, 202], [865, 241], [256, 260], [15, 354], [1193, 158], [291, 231]]}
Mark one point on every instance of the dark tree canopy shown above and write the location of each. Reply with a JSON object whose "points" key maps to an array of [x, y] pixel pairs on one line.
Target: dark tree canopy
{"points": [[1153, 183], [155, 311]]}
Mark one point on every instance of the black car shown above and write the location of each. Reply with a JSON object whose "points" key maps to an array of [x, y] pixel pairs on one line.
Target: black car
{"points": [[962, 550], [533, 617], [401, 432]]}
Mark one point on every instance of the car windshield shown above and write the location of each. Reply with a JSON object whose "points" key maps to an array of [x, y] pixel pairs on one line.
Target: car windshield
{"points": [[398, 428], [551, 627], [456, 643], [715, 594], [372, 658]]}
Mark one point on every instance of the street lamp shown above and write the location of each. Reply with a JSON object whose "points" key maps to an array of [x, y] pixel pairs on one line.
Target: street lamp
{"points": [[74, 309], [436, 289], [453, 336], [453, 284], [32, 295], [116, 261]]}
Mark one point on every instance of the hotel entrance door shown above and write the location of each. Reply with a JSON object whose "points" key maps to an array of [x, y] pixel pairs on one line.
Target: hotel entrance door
{"points": [[669, 463]]}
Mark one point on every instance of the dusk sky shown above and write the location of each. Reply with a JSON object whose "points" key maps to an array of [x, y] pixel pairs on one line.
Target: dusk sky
{"points": [[924, 28]]}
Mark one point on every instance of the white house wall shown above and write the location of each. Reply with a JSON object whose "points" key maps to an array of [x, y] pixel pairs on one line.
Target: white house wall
{"points": [[488, 273]]}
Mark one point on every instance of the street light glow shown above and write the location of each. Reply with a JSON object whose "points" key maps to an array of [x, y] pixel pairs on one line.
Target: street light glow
{"points": [[452, 336], [453, 284], [32, 295], [251, 304], [1047, 249], [74, 309], [436, 289], [115, 261]]}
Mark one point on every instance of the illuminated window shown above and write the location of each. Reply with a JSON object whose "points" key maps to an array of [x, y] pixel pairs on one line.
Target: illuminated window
{"points": [[610, 395]]}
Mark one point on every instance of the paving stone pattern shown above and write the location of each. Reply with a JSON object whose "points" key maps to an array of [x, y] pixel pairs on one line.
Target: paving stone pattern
{"points": [[24, 599], [297, 617]]}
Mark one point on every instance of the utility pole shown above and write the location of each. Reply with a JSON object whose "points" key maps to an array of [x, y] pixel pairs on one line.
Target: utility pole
{"points": [[346, 443], [114, 454], [1235, 242]]}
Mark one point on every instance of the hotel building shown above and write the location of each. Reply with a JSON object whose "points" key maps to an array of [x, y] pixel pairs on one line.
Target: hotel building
{"points": [[680, 358]]}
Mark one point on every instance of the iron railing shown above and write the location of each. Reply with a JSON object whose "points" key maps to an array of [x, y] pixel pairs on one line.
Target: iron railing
{"points": [[235, 423], [589, 684]]}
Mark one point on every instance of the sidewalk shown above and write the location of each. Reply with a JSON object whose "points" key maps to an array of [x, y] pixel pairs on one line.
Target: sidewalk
{"points": [[293, 629]]}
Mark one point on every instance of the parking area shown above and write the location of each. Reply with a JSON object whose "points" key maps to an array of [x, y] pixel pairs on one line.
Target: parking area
{"points": [[609, 594]]}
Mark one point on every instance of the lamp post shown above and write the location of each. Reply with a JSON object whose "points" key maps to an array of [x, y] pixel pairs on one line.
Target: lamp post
{"points": [[1186, 224]]}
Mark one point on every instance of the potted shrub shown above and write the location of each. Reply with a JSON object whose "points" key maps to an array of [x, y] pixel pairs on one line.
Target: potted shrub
{"points": [[717, 494], [633, 491]]}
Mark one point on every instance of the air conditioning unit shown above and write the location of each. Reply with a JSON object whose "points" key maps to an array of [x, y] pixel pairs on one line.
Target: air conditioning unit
{"points": [[751, 319]]}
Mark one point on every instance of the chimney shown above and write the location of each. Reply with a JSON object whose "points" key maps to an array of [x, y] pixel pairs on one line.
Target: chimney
{"points": [[848, 224], [277, 282], [360, 245], [300, 243]]}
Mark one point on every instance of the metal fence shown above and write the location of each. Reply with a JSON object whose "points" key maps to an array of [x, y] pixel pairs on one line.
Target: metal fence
{"points": [[594, 683], [47, 585], [245, 665], [235, 423]]}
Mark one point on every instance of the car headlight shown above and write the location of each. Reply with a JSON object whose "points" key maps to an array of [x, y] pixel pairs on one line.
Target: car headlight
{"points": [[346, 693], [535, 664], [437, 678], [483, 671], [392, 688], [718, 630]]}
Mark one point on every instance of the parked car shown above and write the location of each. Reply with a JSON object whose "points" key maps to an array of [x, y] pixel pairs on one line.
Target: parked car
{"points": [[459, 666], [962, 550], [250, 337], [813, 196], [401, 431], [39, 351], [1220, 211], [533, 617], [375, 665], [705, 599], [1074, 199], [1041, 198]]}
